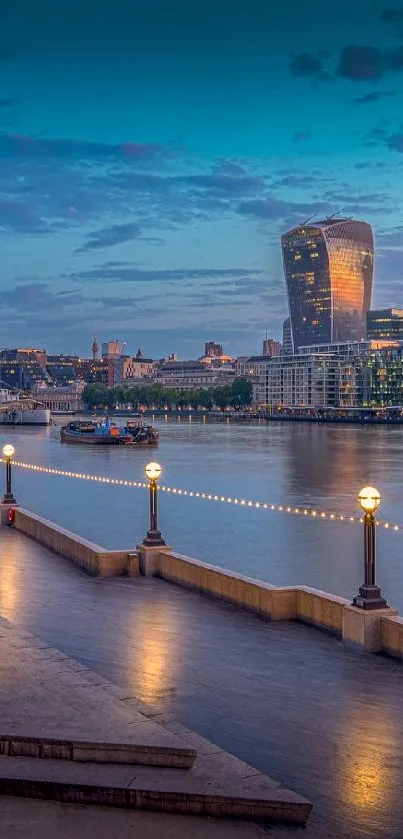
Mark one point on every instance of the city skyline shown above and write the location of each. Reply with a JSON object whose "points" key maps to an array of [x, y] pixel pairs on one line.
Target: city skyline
{"points": [[151, 158]]}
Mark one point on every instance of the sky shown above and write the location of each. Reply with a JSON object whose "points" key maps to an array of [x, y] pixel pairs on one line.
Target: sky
{"points": [[152, 154]]}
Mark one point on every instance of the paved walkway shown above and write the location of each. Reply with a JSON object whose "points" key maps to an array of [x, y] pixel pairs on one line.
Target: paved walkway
{"points": [[291, 701]]}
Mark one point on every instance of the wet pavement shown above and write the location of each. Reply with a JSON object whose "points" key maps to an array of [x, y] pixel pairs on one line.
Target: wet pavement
{"points": [[292, 701]]}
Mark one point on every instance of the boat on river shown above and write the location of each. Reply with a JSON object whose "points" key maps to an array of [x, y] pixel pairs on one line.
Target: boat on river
{"points": [[107, 433]]}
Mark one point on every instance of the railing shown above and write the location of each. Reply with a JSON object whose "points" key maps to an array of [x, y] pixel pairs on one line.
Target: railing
{"points": [[304, 511]]}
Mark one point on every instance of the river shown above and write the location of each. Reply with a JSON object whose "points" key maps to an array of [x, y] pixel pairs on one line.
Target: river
{"points": [[292, 464]]}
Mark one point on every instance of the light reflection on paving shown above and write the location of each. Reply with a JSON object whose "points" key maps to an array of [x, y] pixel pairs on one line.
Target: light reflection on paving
{"points": [[291, 701]]}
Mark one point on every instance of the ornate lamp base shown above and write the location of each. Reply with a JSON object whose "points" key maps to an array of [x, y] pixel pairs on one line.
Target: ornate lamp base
{"points": [[370, 597], [153, 539]]}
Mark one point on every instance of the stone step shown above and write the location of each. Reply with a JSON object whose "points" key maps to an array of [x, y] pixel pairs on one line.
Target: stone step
{"points": [[168, 751], [201, 792]]}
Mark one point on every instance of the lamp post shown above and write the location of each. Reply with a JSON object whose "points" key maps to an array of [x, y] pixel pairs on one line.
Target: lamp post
{"points": [[153, 471], [369, 596], [8, 497]]}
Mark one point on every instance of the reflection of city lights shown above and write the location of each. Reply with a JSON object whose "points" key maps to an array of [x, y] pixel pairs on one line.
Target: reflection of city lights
{"points": [[365, 773], [154, 668], [9, 588]]}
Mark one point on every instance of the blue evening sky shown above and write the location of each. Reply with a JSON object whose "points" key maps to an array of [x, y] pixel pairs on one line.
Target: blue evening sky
{"points": [[151, 155]]}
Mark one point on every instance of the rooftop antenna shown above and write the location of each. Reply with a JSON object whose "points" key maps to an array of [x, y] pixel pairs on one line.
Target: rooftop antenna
{"points": [[308, 219], [337, 213]]}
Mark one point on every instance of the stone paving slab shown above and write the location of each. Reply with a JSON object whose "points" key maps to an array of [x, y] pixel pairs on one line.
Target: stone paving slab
{"points": [[42, 690], [28, 819], [44, 696]]}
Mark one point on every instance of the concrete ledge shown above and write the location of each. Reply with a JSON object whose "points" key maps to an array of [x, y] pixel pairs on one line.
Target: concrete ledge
{"points": [[91, 557], [392, 635], [96, 752], [264, 599], [373, 631], [255, 798], [321, 609], [364, 629]]}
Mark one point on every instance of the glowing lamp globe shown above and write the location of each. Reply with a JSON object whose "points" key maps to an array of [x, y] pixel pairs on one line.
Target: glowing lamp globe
{"points": [[153, 471], [369, 499], [8, 450]]}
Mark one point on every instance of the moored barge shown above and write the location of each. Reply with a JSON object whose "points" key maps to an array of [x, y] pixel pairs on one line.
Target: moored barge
{"points": [[108, 434]]}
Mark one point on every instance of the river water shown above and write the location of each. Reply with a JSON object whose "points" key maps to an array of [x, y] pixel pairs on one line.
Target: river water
{"points": [[294, 464]]}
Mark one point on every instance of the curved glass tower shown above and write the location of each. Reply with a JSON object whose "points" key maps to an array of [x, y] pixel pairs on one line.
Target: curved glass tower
{"points": [[328, 267]]}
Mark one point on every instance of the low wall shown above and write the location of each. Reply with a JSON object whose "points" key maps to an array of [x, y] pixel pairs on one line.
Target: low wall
{"points": [[91, 557], [264, 599], [392, 636], [372, 631]]}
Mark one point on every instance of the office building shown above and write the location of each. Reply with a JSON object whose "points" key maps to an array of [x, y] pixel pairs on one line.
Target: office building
{"points": [[271, 347], [111, 349], [250, 366], [64, 370], [122, 370], [385, 324], [286, 347], [193, 374], [383, 378], [21, 368], [328, 268], [212, 349], [349, 349]]}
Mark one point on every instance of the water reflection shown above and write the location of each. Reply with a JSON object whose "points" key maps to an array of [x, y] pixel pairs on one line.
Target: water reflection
{"points": [[366, 759], [9, 589], [159, 654]]}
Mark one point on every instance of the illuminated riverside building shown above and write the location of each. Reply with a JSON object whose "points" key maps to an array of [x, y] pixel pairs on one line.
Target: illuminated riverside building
{"points": [[313, 380], [328, 267], [385, 324], [383, 378]]}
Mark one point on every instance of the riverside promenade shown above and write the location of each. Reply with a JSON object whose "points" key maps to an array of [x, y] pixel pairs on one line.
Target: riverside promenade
{"points": [[292, 701]]}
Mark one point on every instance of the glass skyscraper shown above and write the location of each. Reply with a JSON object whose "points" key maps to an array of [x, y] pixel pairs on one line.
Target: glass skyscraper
{"points": [[328, 267]]}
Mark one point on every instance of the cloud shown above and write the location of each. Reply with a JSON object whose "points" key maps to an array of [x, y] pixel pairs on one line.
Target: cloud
{"points": [[367, 63], [109, 236], [301, 136], [275, 209], [223, 184], [33, 297], [374, 96], [394, 17], [306, 65], [39, 148], [380, 135], [20, 217], [112, 272], [296, 181], [231, 168], [391, 239]]}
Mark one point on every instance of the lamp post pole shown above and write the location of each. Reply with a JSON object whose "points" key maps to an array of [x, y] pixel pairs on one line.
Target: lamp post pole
{"points": [[8, 497], [369, 548], [369, 596], [153, 537]]}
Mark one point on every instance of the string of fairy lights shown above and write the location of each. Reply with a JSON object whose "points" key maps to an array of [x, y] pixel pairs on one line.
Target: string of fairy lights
{"points": [[302, 511]]}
